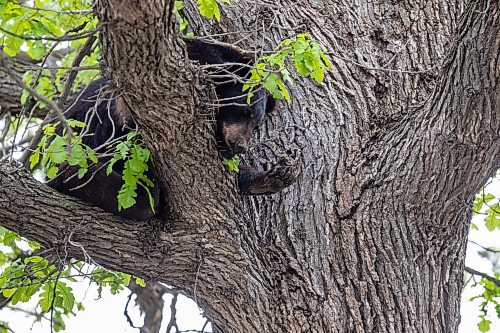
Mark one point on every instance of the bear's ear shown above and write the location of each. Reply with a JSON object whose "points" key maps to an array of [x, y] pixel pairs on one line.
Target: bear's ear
{"points": [[212, 54], [270, 103]]}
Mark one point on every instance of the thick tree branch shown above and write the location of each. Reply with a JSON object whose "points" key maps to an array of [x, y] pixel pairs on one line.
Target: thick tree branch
{"points": [[175, 254]]}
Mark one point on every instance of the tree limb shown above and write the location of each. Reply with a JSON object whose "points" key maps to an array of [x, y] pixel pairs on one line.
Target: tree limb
{"points": [[483, 275]]}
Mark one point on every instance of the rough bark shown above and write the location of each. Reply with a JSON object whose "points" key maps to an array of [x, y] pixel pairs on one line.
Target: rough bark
{"points": [[372, 237]]}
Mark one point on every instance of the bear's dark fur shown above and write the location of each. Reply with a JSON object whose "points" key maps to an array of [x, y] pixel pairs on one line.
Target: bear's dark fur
{"points": [[108, 118], [236, 119]]}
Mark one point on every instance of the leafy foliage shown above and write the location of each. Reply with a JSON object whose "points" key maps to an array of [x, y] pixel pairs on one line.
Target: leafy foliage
{"points": [[42, 27], [490, 295], [210, 8], [489, 205], [21, 32], [232, 163], [27, 276], [53, 149], [270, 71], [183, 23], [135, 156]]}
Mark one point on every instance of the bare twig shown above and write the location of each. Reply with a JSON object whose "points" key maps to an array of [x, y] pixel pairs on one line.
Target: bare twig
{"points": [[84, 51], [125, 312], [53, 302], [368, 68], [485, 248], [40, 68], [173, 314], [75, 12], [82, 35], [205, 325], [22, 84], [483, 275]]}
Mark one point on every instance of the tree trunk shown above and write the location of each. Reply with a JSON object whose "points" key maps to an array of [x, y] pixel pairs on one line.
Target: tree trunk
{"points": [[393, 147]]}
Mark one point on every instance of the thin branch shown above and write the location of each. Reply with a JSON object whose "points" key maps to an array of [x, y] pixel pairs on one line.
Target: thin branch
{"points": [[84, 51], [70, 11], [173, 314], [52, 105], [82, 35], [69, 68], [53, 301], [205, 325], [125, 312], [483, 275], [382, 69], [6, 148], [485, 248]]}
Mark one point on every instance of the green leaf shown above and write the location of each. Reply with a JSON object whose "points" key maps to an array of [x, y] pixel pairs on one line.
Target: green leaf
{"points": [[52, 172], [140, 282], [232, 164], [492, 221], [66, 293], [209, 9], [35, 158], [126, 196], [46, 296], [484, 325], [82, 172], [57, 150]]}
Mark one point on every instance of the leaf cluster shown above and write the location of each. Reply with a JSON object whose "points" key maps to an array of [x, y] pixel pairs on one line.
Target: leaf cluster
{"points": [[34, 28], [488, 205], [489, 295], [233, 164], [135, 156], [210, 8], [271, 71], [26, 276], [53, 150]]}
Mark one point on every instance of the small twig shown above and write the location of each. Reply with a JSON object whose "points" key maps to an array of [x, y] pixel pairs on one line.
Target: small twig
{"points": [[82, 35], [205, 325], [228, 45], [76, 12], [173, 314], [196, 280], [7, 148], [125, 312], [84, 51], [483, 275], [68, 68], [53, 301], [484, 248]]}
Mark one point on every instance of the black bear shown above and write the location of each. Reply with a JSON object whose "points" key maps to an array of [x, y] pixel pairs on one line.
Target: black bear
{"points": [[236, 119], [108, 118]]}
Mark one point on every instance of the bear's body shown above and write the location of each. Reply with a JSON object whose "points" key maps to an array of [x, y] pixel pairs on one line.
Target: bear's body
{"points": [[108, 119]]}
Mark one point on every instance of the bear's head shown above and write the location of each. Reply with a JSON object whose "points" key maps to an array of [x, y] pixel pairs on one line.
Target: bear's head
{"points": [[236, 119]]}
